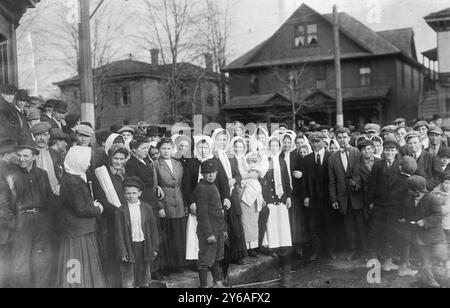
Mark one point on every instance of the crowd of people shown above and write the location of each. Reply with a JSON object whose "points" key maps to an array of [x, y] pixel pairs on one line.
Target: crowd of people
{"points": [[139, 204]]}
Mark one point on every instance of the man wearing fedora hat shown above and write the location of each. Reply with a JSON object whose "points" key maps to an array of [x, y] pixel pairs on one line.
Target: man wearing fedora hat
{"points": [[32, 258], [7, 218], [47, 112], [59, 115]]}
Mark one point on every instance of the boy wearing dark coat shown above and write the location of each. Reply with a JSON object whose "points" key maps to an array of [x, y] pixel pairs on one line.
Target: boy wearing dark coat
{"points": [[211, 229], [137, 238], [423, 212]]}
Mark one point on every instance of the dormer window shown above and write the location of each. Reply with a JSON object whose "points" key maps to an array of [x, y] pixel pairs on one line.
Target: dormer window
{"points": [[306, 35]]}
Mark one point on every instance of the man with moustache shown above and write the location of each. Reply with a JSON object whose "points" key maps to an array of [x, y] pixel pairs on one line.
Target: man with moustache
{"points": [[12, 113]]}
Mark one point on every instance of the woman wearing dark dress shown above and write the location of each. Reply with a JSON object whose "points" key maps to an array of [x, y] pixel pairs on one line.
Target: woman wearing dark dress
{"points": [[235, 247], [79, 264], [140, 166], [117, 158], [172, 212]]}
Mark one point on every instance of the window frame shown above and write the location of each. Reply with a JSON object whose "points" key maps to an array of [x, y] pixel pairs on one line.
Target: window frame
{"points": [[254, 89], [122, 91], [365, 79], [306, 35]]}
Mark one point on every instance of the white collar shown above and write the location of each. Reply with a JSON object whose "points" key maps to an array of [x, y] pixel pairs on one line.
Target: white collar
{"points": [[134, 205], [321, 152]]}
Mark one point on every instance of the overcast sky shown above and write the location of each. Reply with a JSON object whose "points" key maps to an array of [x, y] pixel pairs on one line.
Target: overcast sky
{"points": [[254, 21]]}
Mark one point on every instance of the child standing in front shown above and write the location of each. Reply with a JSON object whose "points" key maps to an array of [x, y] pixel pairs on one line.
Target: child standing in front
{"points": [[137, 238], [211, 229]]}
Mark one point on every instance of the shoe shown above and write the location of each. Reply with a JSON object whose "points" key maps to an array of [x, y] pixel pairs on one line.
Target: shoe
{"points": [[218, 285], [389, 266], [407, 272], [314, 257]]}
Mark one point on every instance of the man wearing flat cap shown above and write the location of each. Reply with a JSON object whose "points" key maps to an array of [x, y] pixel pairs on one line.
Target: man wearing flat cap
{"points": [[435, 135], [33, 117], [127, 133], [317, 198], [427, 164], [372, 129], [423, 212], [58, 141], [32, 251], [345, 191], [444, 156], [84, 135], [422, 128], [400, 122], [48, 159]]}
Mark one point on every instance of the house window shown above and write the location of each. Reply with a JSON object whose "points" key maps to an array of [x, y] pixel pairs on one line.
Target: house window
{"points": [[365, 73], [3, 61], [305, 35], [321, 83], [122, 95], [254, 84]]}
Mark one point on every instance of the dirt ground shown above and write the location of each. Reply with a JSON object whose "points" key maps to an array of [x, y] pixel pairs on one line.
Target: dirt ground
{"points": [[346, 274]]}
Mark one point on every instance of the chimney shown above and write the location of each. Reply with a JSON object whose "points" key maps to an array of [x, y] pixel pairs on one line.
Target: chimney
{"points": [[155, 57], [209, 62]]}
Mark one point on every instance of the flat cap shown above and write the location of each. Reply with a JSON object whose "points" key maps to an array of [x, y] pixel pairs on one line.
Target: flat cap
{"points": [[408, 165], [421, 123], [315, 136], [389, 129], [412, 134], [126, 129], [390, 143], [209, 166], [57, 134], [134, 182], [41, 128], [372, 127], [84, 130], [33, 114], [28, 145], [444, 152], [399, 120], [417, 183], [433, 129]]}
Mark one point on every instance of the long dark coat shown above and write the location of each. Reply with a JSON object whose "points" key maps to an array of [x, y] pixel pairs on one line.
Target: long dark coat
{"points": [[147, 174]]}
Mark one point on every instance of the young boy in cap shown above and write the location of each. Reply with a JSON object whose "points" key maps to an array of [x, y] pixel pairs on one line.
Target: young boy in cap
{"points": [[137, 238], [423, 212], [385, 213], [443, 193], [211, 229], [444, 156], [84, 135]]}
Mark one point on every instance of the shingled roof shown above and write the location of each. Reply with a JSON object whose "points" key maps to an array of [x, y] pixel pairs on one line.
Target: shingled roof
{"points": [[440, 14], [398, 41], [18, 8], [137, 69]]}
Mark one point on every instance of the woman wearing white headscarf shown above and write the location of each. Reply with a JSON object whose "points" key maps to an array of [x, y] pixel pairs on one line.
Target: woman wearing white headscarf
{"points": [[79, 247], [277, 195]]}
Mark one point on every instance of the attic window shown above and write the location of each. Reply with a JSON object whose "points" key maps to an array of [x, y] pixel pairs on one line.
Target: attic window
{"points": [[254, 84], [306, 35]]}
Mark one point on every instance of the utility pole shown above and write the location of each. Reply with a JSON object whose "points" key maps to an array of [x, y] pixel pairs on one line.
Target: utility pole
{"points": [[291, 88], [85, 65], [337, 65]]}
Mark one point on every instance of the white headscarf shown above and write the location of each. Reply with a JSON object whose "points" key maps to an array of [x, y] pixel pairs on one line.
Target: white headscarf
{"points": [[279, 191], [197, 140], [255, 145], [240, 158], [78, 160], [110, 141], [222, 153]]}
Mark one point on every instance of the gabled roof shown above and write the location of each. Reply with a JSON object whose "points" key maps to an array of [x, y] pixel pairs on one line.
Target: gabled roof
{"points": [[134, 69], [445, 13], [350, 94], [17, 8], [431, 54], [371, 43], [403, 39]]}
